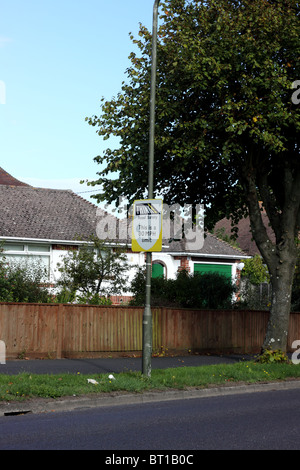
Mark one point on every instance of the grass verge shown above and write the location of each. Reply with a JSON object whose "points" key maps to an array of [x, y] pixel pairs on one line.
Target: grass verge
{"points": [[24, 386]]}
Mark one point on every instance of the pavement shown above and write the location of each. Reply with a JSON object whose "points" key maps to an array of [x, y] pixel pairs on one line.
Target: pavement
{"points": [[111, 365], [116, 365]]}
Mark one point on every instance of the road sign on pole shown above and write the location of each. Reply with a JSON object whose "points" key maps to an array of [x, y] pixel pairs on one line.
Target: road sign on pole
{"points": [[147, 225]]}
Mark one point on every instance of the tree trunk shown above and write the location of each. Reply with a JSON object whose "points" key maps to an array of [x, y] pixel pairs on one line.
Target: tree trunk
{"points": [[278, 325], [279, 255]]}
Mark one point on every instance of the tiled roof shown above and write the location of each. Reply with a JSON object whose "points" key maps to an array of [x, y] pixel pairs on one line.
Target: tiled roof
{"points": [[39, 213], [211, 246], [7, 179], [61, 215], [245, 239]]}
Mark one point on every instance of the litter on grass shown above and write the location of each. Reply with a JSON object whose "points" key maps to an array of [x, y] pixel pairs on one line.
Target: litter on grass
{"points": [[92, 381]]}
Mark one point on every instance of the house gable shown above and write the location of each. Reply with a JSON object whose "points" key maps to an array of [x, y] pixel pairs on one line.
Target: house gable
{"points": [[7, 179], [244, 235]]}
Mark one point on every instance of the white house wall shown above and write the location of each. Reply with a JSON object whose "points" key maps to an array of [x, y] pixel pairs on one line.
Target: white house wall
{"points": [[170, 261], [171, 265]]}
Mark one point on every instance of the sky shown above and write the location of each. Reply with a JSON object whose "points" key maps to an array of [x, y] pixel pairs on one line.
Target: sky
{"points": [[58, 58]]}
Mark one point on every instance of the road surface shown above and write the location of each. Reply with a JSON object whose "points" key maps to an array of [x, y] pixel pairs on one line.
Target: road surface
{"points": [[262, 420]]}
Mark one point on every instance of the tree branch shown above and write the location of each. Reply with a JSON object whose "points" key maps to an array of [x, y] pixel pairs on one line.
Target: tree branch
{"points": [[269, 202]]}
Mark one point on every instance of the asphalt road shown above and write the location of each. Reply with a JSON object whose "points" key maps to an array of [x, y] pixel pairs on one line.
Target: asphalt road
{"points": [[250, 421], [105, 365]]}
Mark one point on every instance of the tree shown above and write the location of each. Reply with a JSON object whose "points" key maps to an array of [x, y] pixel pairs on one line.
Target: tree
{"points": [[226, 125], [93, 271], [296, 287], [22, 282], [255, 270], [255, 292]]}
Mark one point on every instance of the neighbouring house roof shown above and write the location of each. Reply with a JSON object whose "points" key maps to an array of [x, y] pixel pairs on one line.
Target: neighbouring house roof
{"points": [[39, 213], [7, 179], [244, 235]]}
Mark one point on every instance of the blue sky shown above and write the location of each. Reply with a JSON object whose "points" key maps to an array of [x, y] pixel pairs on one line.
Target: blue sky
{"points": [[57, 59]]}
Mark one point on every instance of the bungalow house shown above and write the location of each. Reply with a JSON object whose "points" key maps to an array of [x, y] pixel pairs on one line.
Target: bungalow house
{"points": [[43, 224]]}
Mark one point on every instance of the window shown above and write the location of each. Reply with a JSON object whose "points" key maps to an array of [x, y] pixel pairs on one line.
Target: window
{"points": [[40, 248], [28, 252], [7, 247]]}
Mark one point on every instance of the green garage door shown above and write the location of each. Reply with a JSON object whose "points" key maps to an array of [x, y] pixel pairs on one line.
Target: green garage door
{"points": [[224, 269]]}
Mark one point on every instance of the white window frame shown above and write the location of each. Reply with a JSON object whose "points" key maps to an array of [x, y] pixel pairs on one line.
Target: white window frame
{"points": [[26, 253]]}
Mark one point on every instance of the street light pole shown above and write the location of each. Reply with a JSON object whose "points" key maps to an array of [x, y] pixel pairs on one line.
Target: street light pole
{"points": [[147, 315]]}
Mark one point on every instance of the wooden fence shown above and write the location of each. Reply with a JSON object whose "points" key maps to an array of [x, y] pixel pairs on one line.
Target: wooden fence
{"points": [[60, 330]]}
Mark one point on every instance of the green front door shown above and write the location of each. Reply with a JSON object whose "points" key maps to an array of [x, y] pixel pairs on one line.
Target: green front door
{"points": [[157, 270]]}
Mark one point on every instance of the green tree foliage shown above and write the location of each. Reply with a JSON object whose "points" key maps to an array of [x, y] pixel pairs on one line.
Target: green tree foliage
{"points": [[255, 270], [92, 272], [207, 290], [22, 282], [227, 131], [255, 291]]}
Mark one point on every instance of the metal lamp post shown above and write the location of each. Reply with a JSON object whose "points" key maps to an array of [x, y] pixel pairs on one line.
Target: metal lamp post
{"points": [[147, 315]]}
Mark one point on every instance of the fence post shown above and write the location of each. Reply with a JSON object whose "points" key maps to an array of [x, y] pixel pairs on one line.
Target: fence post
{"points": [[163, 328], [59, 332]]}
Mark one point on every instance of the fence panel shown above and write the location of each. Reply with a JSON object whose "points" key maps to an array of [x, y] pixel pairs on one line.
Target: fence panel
{"points": [[52, 330], [89, 329], [28, 328]]}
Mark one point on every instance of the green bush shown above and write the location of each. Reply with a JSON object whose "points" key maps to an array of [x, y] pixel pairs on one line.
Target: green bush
{"points": [[205, 290], [270, 356], [255, 270], [93, 299], [161, 290]]}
